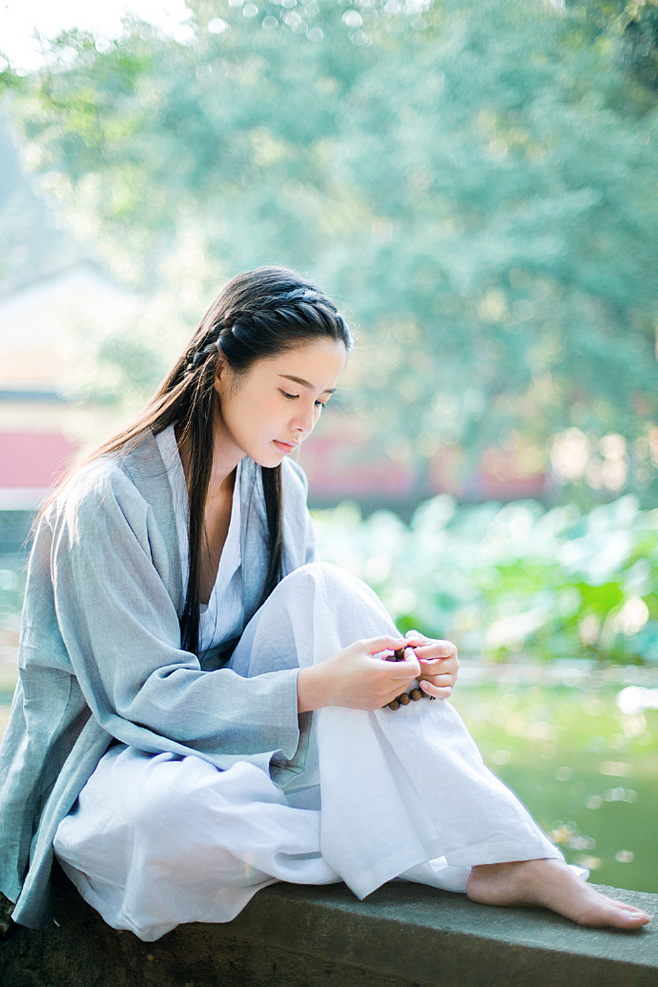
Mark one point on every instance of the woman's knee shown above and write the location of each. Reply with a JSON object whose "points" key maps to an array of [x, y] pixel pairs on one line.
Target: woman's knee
{"points": [[169, 796], [340, 592], [325, 576]]}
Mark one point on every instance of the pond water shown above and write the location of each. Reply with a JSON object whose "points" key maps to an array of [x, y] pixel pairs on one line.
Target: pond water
{"points": [[585, 762], [582, 757]]}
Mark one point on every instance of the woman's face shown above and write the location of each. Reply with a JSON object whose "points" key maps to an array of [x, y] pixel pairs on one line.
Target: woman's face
{"points": [[268, 412]]}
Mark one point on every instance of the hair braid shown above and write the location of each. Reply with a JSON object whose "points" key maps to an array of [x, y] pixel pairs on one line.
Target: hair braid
{"points": [[257, 315]]}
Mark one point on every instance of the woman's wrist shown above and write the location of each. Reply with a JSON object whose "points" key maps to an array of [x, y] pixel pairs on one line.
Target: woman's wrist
{"points": [[311, 689]]}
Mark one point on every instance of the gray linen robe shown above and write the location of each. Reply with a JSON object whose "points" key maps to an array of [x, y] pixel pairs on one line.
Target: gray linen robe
{"points": [[100, 655]]}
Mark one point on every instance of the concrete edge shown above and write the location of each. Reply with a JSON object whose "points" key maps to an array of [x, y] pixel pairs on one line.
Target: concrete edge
{"points": [[413, 931], [403, 934]]}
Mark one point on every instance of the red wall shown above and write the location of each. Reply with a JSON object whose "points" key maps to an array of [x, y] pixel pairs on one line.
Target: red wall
{"points": [[33, 460]]}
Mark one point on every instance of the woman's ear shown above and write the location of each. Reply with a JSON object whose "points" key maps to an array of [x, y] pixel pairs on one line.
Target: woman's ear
{"points": [[221, 376]]}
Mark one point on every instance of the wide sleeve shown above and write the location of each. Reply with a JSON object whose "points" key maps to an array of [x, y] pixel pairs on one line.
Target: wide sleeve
{"points": [[121, 632]]}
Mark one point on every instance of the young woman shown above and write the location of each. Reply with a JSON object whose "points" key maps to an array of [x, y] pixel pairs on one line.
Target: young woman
{"points": [[202, 708]]}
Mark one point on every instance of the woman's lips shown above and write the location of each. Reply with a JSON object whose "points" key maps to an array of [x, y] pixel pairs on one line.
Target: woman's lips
{"points": [[284, 446]]}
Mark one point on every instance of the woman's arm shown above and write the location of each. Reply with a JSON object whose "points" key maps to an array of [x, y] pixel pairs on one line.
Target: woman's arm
{"points": [[120, 628]]}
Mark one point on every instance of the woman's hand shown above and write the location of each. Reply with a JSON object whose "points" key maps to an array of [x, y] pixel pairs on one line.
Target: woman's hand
{"points": [[438, 663], [354, 678]]}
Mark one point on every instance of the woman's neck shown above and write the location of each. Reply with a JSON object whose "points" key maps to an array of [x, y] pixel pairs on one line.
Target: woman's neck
{"points": [[224, 463]]}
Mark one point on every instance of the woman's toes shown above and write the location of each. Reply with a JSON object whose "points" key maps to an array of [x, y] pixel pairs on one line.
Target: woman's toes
{"points": [[598, 911], [630, 918]]}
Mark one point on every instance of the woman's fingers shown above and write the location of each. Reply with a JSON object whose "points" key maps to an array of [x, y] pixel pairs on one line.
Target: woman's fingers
{"points": [[439, 666], [438, 669], [430, 650], [438, 691], [403, 671], [374, 645], [441, 674]]}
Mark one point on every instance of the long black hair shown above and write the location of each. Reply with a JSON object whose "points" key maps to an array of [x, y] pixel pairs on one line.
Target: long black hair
{"points": [[259, 314]]}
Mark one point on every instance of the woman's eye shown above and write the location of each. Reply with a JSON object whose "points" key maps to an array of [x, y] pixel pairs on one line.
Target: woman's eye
{"points": [[290, 397], [319, 404]]}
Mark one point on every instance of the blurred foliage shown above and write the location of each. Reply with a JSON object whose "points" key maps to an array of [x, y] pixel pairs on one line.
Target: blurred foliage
{"points": [[9, 78], [12, 585], [32, 245], [505, 582], [477, 181], [513, 581], [633, 28]]}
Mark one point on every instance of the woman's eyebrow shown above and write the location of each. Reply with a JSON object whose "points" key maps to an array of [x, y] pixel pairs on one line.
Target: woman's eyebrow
{"points": [[305, 383]]}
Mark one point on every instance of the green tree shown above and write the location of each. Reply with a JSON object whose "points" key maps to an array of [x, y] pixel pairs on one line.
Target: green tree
{"points": [[478, 182]]}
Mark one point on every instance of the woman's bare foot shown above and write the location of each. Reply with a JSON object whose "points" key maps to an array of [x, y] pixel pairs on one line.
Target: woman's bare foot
{"points": [[549, 883]]}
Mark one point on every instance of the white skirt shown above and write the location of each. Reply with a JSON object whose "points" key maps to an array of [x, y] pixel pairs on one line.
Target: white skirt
{"points": [[156, 840]]}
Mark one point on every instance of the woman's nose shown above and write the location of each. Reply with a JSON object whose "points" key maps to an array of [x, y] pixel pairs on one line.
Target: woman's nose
{"points": [[304, 421]]}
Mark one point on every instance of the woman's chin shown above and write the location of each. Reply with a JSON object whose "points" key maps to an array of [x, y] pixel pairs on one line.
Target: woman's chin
{"points": [[270, 460]]}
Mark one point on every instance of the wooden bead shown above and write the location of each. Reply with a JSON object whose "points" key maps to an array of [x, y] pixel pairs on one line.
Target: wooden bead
{"points": [[416, 694], [399, 655], [394, 704], [404, 699]]}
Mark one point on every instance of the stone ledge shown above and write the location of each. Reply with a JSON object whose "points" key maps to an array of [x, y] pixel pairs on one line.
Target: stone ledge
{"points": [[403, 934]]}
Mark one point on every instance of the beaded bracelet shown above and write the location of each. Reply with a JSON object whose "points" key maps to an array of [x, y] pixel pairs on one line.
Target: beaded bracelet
{"points": [[406, 697]]}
